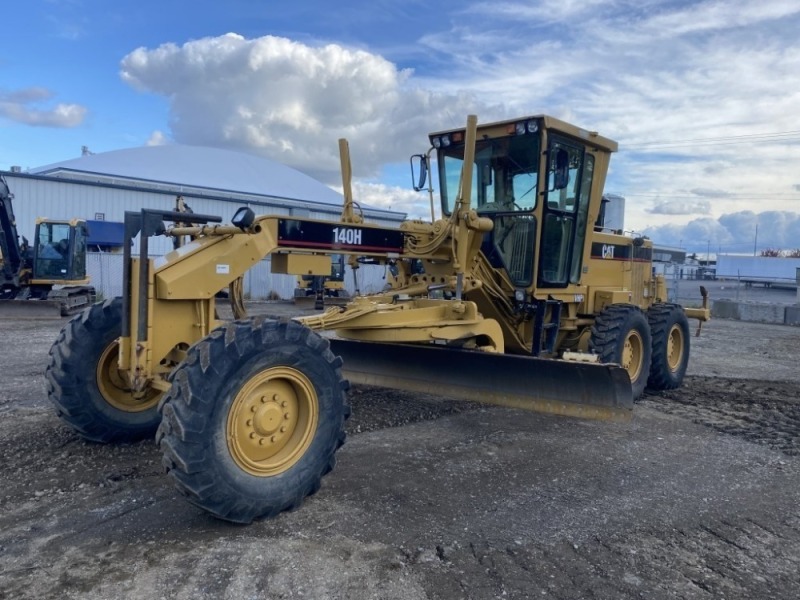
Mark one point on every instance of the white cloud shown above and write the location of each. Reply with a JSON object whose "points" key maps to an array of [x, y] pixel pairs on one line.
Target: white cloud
{"points": [[638, 72], [653, 72], [18, 106], [157, 138], [717, 15], [291, 102], [415, 204], [732, 233], [681, 207], [542, 10]]}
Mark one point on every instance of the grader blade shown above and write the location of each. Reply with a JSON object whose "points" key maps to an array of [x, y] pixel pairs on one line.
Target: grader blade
{"points": [[305, 302], [574, 389]]}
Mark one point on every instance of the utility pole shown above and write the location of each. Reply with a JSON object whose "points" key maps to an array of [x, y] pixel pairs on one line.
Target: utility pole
{"points": [[755, 241]]}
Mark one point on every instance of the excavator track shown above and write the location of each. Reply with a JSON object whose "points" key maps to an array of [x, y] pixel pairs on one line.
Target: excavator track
{"points": [[64, 302], [559, 387]]}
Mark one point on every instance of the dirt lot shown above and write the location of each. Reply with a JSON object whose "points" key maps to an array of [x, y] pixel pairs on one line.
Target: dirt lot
{"points": [[697, 497]]}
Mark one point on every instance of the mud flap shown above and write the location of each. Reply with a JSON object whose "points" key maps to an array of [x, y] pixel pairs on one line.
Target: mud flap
{"points": [[576, 389]]}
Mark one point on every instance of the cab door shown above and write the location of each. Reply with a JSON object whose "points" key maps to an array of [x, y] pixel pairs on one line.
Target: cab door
{"points": [[564, 213]]}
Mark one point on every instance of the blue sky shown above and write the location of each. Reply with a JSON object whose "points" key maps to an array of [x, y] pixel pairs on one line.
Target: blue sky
{"points": [[703, 97]]}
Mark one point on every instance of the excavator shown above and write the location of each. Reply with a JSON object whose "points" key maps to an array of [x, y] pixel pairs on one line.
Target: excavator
{"points": [[518, 295], [48, 279], [321, 290]]}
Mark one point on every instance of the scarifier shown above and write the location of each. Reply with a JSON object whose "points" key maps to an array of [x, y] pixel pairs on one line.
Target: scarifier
{"points": [[518, 295]]}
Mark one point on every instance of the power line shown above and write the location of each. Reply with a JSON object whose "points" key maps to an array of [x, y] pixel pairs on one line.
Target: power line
{"points": [[731, 196], [782, 136]]}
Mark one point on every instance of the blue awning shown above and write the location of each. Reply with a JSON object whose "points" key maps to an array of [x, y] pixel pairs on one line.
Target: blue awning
{"points": [[105, 233]]}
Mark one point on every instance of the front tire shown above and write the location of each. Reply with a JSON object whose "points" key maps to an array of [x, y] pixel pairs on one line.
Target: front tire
{"points": [[88, 390], [254, 417], [621, 335], [670, 329]]}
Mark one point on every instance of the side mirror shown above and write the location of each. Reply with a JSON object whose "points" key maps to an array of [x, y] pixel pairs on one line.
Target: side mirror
{"points": [[418, 182]]}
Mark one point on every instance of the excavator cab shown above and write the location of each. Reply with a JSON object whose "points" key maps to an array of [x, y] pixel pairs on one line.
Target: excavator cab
{"points": [[59, 252]]}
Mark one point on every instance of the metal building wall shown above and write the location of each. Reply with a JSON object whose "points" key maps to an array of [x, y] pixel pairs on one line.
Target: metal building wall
{"points": [[62, 198]]}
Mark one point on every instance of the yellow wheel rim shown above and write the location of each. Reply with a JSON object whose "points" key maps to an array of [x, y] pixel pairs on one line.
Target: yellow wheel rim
{"points": [[632, 353], [272, 421], [115, 386], [675, 348]]}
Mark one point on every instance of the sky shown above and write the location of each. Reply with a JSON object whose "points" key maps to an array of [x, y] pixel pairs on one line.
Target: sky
{"points": [[703, 97]]}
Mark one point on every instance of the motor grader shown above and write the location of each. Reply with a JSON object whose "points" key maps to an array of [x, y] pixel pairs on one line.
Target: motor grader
{"points": [[517, 296]]}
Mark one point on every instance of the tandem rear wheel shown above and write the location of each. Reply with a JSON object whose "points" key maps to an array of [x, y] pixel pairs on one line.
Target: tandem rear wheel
{"points": [[621, 335], [670, 330], [254, 418]]}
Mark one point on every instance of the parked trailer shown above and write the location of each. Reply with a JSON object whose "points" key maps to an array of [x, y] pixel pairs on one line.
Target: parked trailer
{"points": [[768, 271]]}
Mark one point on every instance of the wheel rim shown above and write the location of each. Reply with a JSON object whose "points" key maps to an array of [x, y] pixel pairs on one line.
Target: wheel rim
{"points": [[272, 421], [115, 386], [632, 353], [675, 348]]}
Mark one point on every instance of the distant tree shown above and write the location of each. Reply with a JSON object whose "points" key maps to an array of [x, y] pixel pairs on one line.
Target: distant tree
{"points": [[793, 253], [772, 252]]}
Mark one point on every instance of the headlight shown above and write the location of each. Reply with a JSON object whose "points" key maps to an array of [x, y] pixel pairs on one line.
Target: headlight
{"points": [[243, 218], [445, 140], [532, 126], [519, 295], [437, 142], [519, 128]]}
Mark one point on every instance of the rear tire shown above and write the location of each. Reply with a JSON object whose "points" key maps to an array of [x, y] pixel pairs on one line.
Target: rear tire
{"points": [[87, 389], [670, 329], [254, 417], [621, 335]]}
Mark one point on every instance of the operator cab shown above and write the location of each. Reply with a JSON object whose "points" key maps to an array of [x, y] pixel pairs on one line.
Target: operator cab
{"points": [[534, 178], [60, 251]]}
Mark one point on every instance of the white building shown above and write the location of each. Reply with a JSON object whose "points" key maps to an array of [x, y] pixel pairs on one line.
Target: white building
{"points": [[100, 188]]}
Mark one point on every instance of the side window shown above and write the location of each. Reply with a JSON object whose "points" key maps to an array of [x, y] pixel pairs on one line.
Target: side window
{"points": [[79, 257], [452, 170], [560, 196], [583, 216], [562, 231]]}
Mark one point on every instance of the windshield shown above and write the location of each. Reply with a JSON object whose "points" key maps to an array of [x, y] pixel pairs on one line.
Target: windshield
{"points": [[52, 257], [504, 177]]}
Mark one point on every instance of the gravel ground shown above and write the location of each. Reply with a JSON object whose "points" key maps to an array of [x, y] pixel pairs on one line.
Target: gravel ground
{"points": [[697, 497]]}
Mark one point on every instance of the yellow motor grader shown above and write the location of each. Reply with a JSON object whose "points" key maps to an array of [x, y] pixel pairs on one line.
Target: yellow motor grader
{"points": [[517, 296]]}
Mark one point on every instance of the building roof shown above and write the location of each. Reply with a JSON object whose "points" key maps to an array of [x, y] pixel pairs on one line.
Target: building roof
{"points": [[198, 167]]}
